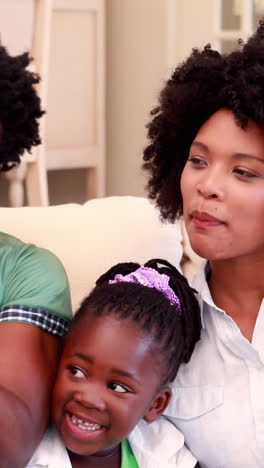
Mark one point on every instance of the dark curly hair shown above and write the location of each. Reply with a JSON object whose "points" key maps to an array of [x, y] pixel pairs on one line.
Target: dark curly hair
{"points": [[206, 82], [19, 108], [174, 332]]}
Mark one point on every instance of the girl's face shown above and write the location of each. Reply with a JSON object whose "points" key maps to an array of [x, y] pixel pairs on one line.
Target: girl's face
{"points": [[108, 380], [223, 190]]}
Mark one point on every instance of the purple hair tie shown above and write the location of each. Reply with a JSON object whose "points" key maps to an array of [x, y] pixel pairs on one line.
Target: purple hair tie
{"points": [[150, 278]]}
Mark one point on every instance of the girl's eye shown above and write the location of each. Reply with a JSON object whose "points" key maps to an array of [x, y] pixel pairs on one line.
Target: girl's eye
{"points": [[244, 173], [77, 372], [118, 388]]}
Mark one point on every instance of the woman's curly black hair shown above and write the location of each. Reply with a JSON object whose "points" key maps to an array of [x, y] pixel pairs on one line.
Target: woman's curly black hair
{"points": [[19, 108], [174, 331], [206, 82]]}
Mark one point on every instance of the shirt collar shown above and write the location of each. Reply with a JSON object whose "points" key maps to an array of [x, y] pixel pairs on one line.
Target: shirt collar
{"points": [[199, 283], [51, 452], [159, 444]]}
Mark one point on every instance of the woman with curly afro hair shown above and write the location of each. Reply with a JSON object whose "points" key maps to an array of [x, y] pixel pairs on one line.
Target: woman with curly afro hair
{"points": [[35, 305], [205, 160]]}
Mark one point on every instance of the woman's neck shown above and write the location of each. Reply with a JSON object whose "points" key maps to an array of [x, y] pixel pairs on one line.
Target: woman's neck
{"points": [[237, 287], [112, 460]]}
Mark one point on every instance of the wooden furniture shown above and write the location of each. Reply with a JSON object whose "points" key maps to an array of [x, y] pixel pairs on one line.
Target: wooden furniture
{"points": [[76, 110], [69, 54]]}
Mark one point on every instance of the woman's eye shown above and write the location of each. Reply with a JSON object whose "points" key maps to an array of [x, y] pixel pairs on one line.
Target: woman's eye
{"points": [[77, 372], [118, 388], [244, 173], [195, 161]]}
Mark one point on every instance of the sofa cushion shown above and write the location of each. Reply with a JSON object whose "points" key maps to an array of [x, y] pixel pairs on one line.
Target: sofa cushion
{"points": [[92, 237]]}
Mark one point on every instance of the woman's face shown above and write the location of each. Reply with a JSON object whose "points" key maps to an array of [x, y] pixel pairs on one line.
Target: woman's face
{"points": [[223, 189]]}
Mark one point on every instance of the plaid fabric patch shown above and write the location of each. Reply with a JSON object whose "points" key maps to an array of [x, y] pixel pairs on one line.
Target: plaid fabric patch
{"points": [[40, 318]]}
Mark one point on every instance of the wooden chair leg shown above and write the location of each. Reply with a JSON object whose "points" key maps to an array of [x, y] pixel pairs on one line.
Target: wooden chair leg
{"points": [[91, 183], [36, 184], [16, 179]]}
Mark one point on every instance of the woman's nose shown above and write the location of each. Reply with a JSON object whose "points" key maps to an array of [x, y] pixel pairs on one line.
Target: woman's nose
{"points": [[211, 186], [91, 397]]}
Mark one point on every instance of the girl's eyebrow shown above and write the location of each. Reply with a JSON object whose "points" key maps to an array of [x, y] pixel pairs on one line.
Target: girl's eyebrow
{"points": [[247, 156], [85, 357], [124, 373], [88, 358]]}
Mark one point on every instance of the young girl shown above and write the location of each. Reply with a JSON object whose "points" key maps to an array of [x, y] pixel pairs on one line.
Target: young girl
{"points": [[124, 347], [206, 160]]}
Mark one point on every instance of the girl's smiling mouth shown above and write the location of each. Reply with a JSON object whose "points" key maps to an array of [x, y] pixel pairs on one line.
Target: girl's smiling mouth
{"points": [[83, 428], [84, 425]]}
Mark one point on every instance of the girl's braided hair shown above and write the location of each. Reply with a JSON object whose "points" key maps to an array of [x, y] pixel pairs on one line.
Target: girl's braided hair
{"points": [[174, 332]]}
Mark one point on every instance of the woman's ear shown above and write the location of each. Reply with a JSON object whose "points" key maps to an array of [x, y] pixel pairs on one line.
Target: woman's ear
{"points": [[158, 405]]}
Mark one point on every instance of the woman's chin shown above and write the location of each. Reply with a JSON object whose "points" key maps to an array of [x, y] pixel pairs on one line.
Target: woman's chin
{"points": [[206, 251]]}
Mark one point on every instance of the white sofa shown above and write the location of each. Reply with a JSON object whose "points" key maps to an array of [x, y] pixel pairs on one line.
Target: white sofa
{"points": [[92, 237]]}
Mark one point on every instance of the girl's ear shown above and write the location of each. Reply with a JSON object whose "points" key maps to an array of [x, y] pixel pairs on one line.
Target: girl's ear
{"points": [[158, 405]]}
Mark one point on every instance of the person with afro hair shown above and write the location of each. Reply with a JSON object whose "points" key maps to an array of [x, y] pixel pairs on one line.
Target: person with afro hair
{"points": [[20, 108], [205, 161], [35, 306]]}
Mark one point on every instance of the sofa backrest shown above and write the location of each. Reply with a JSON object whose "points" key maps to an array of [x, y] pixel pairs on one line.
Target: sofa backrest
{"points": [[92, 237]]}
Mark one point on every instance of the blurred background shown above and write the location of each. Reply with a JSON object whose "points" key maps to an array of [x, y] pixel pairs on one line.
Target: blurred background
{"points": [[102, 64]]}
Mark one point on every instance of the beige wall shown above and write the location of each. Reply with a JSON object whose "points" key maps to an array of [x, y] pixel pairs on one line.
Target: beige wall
{"points": [[136, 39], [195, 25], [136, 67]]}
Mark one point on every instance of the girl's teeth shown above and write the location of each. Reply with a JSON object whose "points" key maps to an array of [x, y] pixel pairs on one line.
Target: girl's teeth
{"points": [[84, 425]]}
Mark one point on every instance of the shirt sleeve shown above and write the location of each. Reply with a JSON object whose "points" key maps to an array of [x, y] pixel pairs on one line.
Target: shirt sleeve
{"points": [[35, 288]]}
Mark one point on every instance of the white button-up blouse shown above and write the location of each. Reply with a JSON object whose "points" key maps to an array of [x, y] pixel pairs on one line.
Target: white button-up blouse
{"points": [[218, 397]]}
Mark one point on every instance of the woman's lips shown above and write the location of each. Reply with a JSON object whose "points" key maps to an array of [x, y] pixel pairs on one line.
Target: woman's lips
{"points": [[204, 220]]}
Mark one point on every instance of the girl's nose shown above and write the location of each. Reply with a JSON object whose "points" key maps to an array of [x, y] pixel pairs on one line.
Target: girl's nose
{"points": [[91, 397]]}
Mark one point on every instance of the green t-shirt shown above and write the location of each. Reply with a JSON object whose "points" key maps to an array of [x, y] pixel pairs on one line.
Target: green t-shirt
{"points": [[33, 286], [127, 457]]}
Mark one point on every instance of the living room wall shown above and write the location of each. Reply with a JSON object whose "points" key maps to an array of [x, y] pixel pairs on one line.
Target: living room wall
{"points": [[136, 69], [136, 66]]}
